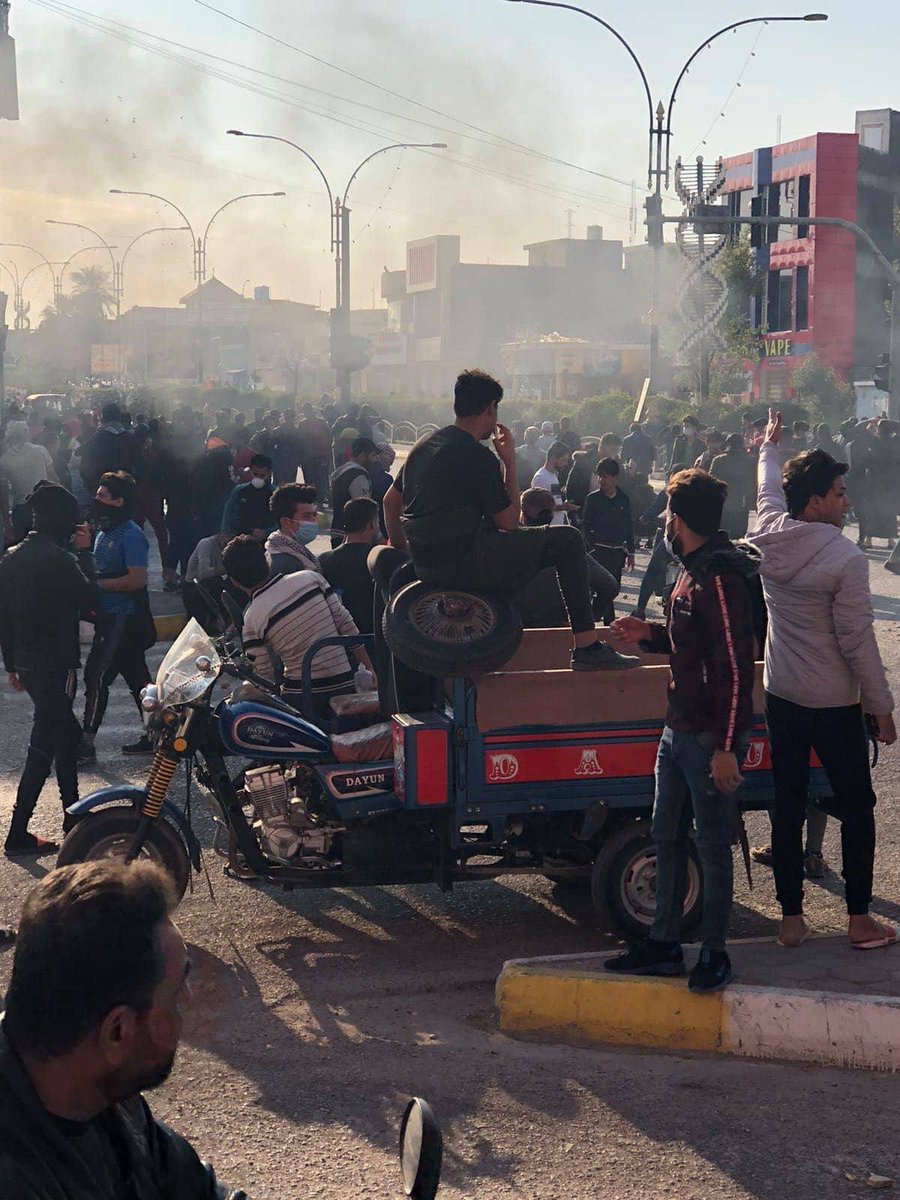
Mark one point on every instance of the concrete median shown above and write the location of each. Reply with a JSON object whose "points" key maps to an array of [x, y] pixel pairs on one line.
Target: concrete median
{"points": [[823, 1003]]}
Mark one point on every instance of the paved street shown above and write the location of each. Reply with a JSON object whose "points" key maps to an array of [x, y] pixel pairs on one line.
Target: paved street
{"points": [[318, 1014]]}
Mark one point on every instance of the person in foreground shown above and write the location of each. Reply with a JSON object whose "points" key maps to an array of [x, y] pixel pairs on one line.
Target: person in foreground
{"points": [[94, 1014], [455, 508], [823, 672], [710, 640]]}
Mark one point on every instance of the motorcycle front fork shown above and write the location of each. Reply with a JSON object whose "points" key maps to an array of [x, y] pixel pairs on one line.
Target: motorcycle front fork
{"points": [[162, 770]]}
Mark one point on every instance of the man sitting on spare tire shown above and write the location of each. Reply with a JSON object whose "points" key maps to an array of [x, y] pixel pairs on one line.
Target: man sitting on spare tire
{"points": [[455, 506]]}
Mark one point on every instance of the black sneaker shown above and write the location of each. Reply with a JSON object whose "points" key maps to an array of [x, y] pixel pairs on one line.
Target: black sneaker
{"points": [[648, 957], [712, 972], [142, 746], [640, 613], [86, 753], [602, 657], [29, 844]]}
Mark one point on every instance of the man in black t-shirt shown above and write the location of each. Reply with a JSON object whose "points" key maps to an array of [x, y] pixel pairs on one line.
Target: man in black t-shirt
{"points": [[346, 567], [455, 507]]}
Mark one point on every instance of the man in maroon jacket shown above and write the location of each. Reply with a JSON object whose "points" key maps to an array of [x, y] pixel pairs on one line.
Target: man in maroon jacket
{"points": [[710, 640]]}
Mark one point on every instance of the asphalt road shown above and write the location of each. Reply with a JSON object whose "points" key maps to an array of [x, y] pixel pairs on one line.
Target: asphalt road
{"points": [[317, 1014]]}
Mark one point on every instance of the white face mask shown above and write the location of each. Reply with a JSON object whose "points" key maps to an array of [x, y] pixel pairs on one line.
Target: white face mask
{"points": [[257, 482]]}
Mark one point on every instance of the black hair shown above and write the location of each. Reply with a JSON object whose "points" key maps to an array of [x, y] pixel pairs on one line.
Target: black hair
{"points": [[120, 485], [261, 460], [608, 466], [811, 473], [475, 392], [245, 561], [87, 942], [287, 496], [110, 412], [734, 441], [363, 445], [698, 498], [359, 514], [559, 450]]}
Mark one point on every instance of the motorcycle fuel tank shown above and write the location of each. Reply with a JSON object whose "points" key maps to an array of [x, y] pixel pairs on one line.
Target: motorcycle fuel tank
{"points": [[260, 732]]}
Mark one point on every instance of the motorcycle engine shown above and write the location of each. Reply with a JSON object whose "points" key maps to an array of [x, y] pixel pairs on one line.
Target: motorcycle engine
{"points": [[289, 830]]}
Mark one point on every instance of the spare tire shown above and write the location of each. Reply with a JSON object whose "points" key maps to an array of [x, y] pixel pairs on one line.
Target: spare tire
{"points": [[451, 631]]}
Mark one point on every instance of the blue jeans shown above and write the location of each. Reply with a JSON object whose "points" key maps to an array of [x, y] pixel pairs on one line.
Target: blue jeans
{"points": [[684, 790]]}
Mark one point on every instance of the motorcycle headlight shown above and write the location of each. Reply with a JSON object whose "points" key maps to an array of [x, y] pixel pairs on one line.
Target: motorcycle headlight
{"points": [[150, 698]]}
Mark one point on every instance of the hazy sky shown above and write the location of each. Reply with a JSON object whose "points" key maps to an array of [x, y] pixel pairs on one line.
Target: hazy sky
{"points": [[101, 111]]}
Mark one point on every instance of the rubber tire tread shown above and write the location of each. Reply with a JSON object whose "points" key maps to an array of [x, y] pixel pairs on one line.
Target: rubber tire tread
{"points": [[120, 821], [609, 866], [478, 657]]}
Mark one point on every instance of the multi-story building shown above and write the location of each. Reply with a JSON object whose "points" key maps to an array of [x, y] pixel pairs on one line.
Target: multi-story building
{"points": [[822, 291], [446, 314]]}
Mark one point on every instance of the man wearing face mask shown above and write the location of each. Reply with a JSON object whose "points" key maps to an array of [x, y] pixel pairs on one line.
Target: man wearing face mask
{"points": [[294, 511], [44, 591], [709, 637], [120, 633], [247, 508], [689, 445]]}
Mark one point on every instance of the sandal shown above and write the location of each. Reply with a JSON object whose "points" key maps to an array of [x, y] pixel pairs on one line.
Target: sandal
{"points": [[890, 938]]}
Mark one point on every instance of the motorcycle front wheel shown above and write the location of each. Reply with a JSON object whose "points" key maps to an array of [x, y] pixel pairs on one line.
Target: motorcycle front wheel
{"points": [[109, 833]]}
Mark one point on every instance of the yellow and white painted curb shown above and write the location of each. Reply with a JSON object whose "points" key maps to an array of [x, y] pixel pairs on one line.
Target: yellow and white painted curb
{"points": [[571, 998]]}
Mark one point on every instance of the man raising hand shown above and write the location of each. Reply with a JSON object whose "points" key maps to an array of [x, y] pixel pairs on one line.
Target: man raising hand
{"points": [[823, 672]]}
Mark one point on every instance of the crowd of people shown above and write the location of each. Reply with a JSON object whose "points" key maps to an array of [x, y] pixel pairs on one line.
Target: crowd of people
{"points": [[224, 502], [99, 984]]}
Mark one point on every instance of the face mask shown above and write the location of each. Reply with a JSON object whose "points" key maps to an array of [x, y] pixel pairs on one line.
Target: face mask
{"points": [[672, 541], [257, 482], [687, 430], [306, 532], [108, 516]]}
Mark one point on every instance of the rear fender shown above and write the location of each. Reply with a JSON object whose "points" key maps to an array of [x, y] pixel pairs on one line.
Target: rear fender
{"points": [[136, 796]]}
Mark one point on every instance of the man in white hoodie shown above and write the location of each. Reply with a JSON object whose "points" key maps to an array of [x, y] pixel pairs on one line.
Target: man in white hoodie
{"points": [[823, 673]]}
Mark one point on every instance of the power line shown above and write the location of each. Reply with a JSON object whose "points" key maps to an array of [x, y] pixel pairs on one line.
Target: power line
{"points": [[122, 33], [724, 105], [408, 99]]}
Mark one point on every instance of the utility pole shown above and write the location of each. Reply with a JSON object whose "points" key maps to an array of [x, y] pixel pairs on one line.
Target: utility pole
{"points": [[570, 213], [344, 374]]}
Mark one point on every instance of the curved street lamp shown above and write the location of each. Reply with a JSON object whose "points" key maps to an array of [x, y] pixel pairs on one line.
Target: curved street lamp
{"points": [[94, 234], [199, 248], [661, 126], [45, 262], [155, 229], [340, 236]]}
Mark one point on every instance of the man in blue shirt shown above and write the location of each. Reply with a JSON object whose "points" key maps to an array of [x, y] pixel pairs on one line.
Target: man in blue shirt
{"points": [[123, 617], [247, 508]]}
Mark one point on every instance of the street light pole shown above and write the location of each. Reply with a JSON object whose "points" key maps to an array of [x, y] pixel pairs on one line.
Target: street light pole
{"points": [[344, 374], [340, 244], [94, 234], [199, 248], [156, 229], [661, 131], [45, 262]]}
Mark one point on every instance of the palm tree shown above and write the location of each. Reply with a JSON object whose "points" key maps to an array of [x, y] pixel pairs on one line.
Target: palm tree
{"points": [[91, 292]]}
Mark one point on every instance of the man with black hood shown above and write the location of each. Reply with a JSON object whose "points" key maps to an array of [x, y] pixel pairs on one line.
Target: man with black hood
{"points": [[123, 618], [44, 591], [711, 643]]}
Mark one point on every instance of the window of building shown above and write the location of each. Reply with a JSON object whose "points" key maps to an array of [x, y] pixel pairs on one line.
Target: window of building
{"points": [[802, 301], [779, 301], [786, 233], [773, 209], [803, 204]]}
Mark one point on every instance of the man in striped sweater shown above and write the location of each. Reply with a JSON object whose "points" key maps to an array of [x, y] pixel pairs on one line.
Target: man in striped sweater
{"points": [[710, 637], [286, 614]]}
